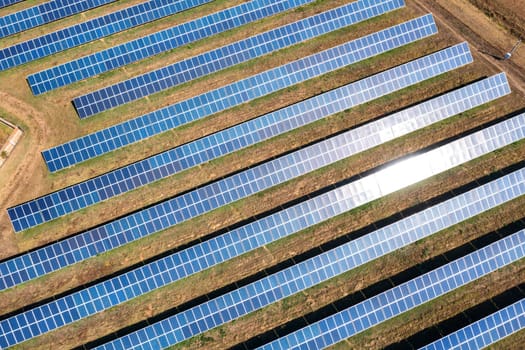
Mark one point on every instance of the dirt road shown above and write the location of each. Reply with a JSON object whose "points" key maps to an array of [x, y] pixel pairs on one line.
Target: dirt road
{"points": [[488, 40]]}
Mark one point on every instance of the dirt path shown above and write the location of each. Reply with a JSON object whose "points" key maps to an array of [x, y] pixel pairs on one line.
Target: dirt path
{"points": [[488, 39], [14, 179]]}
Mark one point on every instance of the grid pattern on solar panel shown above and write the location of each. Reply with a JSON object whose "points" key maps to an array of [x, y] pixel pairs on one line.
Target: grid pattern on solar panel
{"points": [[181, 208], [404, 75], [299, 277], [44, 13], [128, 132], [152, 169], [485, 332], [12, 275], [333, 203], [154, 44], [229, 55], [107, 140], [284, 120], [259, 233], [90, 30], [5, 3], [404, 297]]}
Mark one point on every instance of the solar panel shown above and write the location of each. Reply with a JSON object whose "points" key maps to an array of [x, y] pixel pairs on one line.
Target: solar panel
{"points": [[152, 169], [229, 55], [173, 211], [404, 297], [44, 13], [261, 232], [294, 116], [164, 215], [109, 139], [4, 3], [485, 332], [90, 30], [154, 44]]}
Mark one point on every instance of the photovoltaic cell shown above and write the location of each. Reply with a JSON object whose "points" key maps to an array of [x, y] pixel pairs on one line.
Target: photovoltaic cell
{"points": [[402, 298], [4, 3], [109, 139], [484, 332], [261, 232], [184, 207], [152, 169], [93, 29], [154, 44], [44, 13], [230, 55]]}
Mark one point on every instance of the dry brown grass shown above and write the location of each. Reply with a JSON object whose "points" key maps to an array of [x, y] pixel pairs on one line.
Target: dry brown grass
{"points": [[5, 132], [507, 12]]}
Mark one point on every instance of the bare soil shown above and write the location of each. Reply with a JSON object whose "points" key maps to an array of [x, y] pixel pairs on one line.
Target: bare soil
{"points": [[509, 13]]}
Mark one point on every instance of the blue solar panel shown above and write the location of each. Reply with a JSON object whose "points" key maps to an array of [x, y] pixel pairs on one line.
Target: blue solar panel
{"points": [[166, 214], [4, 3], [109, 139], [262, 232], [93, 29], [402, 298], [154, 168], [230, 55], [485, 332], [155, 43], [44, 13], [176, 210]]}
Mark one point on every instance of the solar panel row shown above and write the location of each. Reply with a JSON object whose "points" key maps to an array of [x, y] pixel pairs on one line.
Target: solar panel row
{"points": [[261, 232], [44, 13], [402, 298], [109, 139], [171, 212], [485, 332], [23, 268], [90, 30], [308, 111], [229, 55], [4, 3], [139, 174], [154, 44]]}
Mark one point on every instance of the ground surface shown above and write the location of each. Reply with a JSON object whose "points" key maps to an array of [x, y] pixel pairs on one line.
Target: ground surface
{"points": [[5, 131], [49, 119]]}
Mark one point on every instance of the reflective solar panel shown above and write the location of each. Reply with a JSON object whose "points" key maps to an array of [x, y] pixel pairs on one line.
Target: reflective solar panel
{"points": [[152, 169], [161, 216], [404, 297], [230, 55], [485, 332], [4, 3], [261, 232], [181, 208], [153, 44], [109, 139], [44, 13], [90, 30], [294, 116]]}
